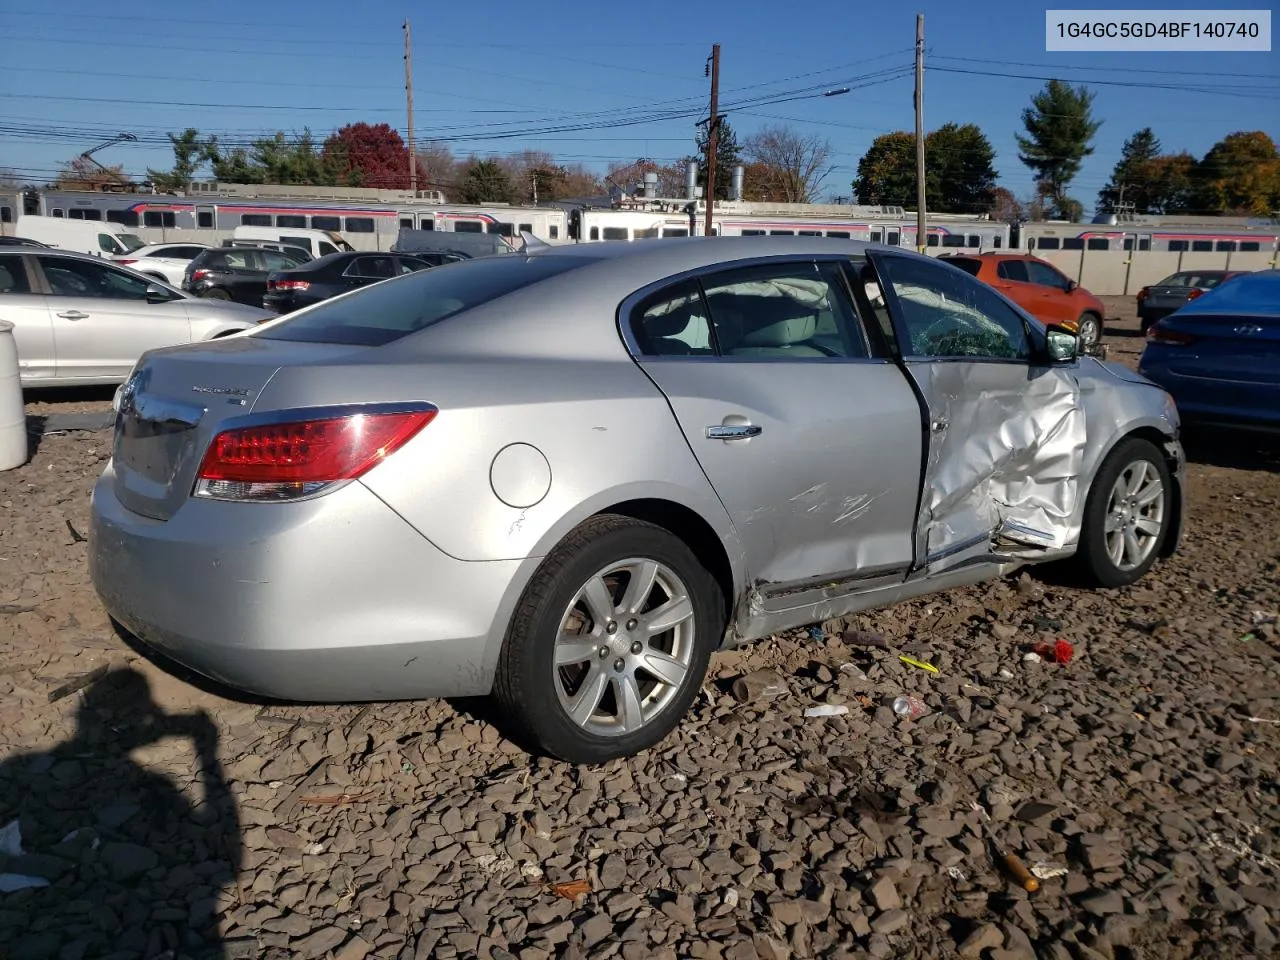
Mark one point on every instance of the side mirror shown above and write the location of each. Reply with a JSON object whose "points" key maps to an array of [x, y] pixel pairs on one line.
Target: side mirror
{"points": [[1063, 345], [1072, 286], [158, 294]]}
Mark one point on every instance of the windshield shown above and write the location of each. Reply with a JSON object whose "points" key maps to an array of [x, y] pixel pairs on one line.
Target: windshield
{"points": [[396, 308], [1202, 280], [130, 242]]}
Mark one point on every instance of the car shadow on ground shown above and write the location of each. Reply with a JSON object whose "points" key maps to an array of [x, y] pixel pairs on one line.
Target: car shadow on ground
{"points": [[1236, 449], [101, 855]]}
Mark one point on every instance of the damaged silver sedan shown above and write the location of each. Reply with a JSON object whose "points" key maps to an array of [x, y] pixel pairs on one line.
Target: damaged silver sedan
{"points": [[566, 477]]}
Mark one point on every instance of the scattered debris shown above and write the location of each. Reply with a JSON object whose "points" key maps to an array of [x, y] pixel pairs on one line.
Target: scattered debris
{"points": [[76, 535], [912, 662], [1032, 658], [827, 710], [79, 683], [913, 708], [865, 638], [956, 873], [853, 670], [1044, 870], [760, 685], [1060, 652], [1261, 618], [571, 890]]}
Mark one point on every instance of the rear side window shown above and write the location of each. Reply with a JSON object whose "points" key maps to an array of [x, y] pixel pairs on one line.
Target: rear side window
{"points": [[13, 279], [673, 323], [389, 311], [1015, 270], [966, 264]]}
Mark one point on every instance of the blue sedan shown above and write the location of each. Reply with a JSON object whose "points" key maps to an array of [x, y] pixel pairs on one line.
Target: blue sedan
{"points": [[1219, 356]]}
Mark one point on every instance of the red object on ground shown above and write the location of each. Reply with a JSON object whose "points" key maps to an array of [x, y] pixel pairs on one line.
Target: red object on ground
{"points": [[1060, 652]]}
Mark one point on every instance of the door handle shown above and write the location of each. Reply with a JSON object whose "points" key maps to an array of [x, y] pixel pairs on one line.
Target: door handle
{"points": [[73, 315], [940, 424], [733, 431]]}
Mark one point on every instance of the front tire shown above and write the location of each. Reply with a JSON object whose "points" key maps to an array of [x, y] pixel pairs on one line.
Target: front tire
{"points": [[1127, 514], [1090, 329], [610, 642], [216, 293]]}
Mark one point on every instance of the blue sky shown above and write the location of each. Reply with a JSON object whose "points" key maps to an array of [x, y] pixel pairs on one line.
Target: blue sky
{"points": [[71, 78]]}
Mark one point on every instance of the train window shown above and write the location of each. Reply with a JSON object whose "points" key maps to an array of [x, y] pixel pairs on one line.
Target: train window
{"points": [[128, 218], [76, 215], [335, 223], [555, 232], [670, 232], [426, 223], [6, 215], [997, 241], [158, 218], [932, 240], [615, 233], [1249, 246], [595, 233], [1099, 243], [1128, 243], [58, 212], [526, 228], [467, 226], [1046, 243], [753, 233], [1201, 246], [501, 229], [1225, 246], [86, 213], [291, 221], [839, 234], [953, 239], [1073, 243], [204, 218], [876, 235], [255, 220], [892, 238], [782, 233], [1177, 246], [406, 223], [359, 224], [1144, 243], [975, 241]]}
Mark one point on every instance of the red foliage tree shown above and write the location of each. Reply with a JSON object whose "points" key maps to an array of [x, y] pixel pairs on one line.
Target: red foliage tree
{"points": [[368, 155]]}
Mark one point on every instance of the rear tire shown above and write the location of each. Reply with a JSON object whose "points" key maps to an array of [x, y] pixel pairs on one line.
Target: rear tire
{"points": [[1090, 330], [1127, 515], [216, 294], [610, 642]]}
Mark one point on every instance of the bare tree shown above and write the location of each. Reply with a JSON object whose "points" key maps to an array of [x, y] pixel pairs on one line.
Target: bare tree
{"points": [[798, 162]]}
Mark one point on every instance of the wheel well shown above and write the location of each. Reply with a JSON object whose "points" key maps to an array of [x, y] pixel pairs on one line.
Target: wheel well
{"points": [[697, 534], [1152, 435]]}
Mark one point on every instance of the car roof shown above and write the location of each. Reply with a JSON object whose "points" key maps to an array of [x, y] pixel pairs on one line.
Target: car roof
{"points": [[1252, 294]]}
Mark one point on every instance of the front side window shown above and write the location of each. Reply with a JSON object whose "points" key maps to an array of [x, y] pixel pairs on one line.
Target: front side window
{"points": [[792, 310], [1046, 276], [949, 315], [83, 278]]}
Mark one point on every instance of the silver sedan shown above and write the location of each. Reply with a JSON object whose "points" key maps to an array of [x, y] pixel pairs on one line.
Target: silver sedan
{"points": [[81, 320], [565, 478]]}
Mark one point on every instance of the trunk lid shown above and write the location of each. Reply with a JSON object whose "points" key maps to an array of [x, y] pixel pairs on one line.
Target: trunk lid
{"points": [[1167, 297], [1238, 349], [178, 399]]}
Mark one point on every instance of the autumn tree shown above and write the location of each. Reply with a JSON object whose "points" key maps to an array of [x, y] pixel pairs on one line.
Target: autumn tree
{"points": [[437, 168], [1005, 207], [887, 171], [1131, 177], [763, 181], [368, 155], [484, 181], [728, 156], [629, 175], [82, 173], [1240, 175], [797, 163], [1171, 182], [1060, 130]]}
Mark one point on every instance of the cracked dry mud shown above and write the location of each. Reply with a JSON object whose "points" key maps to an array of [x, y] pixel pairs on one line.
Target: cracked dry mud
{"points": [[197, 825]]}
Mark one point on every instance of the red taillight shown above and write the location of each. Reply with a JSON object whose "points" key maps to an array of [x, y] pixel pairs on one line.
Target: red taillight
{"points": [[126, 261], [288, 284], [1159, 333], [283, 460], [1195, 293], [1142, 294], [199, 274]]}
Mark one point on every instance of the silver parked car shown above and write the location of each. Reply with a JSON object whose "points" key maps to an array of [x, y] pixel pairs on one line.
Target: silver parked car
{"points": [[80, 320], [566, 478]]}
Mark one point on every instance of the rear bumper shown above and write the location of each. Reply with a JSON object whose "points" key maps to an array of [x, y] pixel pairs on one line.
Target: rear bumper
{"points": [[279, 303], [1254, 406], [331, 600]]}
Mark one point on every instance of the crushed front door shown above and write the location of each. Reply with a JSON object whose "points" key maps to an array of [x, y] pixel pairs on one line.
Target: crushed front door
{"points": [[1006, 432]]}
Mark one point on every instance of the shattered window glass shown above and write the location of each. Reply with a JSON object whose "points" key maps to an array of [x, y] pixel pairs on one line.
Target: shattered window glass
{"points": [[950, 315]]}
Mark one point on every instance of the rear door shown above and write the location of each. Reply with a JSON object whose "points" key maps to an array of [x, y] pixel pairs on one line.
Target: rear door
{"points": [[1230, 361], [101, 319], [27, 309], [812, 441], [1006, 436], [363, 271]]}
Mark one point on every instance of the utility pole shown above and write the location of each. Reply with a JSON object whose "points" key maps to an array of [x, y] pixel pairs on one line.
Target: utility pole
{"points": [[408, 95], [921, 227], [713, 136]]}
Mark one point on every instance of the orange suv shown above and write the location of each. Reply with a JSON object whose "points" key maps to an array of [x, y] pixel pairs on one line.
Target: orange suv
{"points": [[1038, 288]]}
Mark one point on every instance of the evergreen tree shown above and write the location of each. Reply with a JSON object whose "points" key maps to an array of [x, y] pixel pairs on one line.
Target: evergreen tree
{"points": [[1132, 179], [1060, 130]]}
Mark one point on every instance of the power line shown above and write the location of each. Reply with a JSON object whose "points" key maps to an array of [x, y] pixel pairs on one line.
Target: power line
{"points": [[1226, 90], [1076, 66]]}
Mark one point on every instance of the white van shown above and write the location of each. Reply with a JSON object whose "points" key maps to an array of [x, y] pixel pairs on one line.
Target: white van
{"points": [[317, 242], [94, 237]]}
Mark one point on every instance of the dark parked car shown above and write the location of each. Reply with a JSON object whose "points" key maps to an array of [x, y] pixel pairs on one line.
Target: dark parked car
{"points": [[1219, 356], [1163, 298], [21, 242], [337, 273], [236, 273]]}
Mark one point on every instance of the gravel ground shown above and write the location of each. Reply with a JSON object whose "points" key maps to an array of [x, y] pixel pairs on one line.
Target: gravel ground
{"points": [[170, 820]]}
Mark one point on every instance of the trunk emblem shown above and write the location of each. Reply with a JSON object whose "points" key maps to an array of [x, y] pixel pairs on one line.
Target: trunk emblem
{"points": [[223, 391]]}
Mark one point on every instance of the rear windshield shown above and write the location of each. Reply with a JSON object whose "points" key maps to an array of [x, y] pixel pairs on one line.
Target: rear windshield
{"points": [[388, 311], [1202, 280], [966, 264]]}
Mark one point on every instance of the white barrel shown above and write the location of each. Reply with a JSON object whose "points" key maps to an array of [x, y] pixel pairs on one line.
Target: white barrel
{"points": [[13, 418]]}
